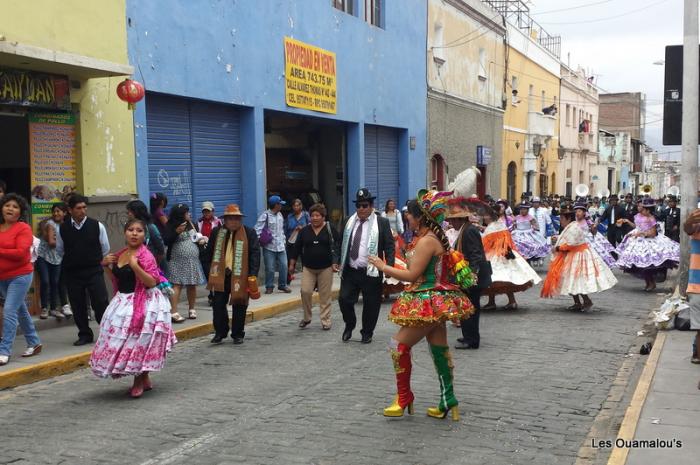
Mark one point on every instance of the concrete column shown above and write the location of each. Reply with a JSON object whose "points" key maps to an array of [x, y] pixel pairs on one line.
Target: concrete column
{"points": [[254, 184], [355, 162]]}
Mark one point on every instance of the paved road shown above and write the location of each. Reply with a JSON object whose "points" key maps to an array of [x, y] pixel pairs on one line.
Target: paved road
{"points": [[529, 395]]}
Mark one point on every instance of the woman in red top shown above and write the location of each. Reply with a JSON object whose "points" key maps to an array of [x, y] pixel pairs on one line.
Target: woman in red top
{"points": [[16, 272]]}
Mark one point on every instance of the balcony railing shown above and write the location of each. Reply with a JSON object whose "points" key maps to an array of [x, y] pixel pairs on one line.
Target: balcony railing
{"points": [[541, 124]]}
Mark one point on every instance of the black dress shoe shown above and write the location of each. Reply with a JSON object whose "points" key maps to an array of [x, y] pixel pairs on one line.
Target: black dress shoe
{"points": [[82, 342], [347, 334], [366, 338], [465, 345], [238, 340], [217, 340]]}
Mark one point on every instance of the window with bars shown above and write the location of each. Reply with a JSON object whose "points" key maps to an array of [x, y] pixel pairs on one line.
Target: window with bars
{"points": [[374, 11], [344, 5]]}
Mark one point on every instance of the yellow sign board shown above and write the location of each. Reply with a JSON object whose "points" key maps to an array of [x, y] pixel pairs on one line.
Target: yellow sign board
{"points": [[310, 77]]}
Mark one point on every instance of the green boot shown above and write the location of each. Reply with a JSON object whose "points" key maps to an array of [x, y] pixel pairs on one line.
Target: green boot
{"points": [[443, 366]]}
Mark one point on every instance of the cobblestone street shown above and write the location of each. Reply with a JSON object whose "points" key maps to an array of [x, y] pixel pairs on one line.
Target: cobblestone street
{"points": [[529, 395]]}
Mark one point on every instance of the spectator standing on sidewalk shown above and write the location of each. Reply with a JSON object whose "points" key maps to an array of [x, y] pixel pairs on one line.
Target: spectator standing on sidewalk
{"points": [[83, 243], [16, 273], [48, 264], [296, 221], [207, 223], [318, 245], [184, 268], [692, 228], [158, 203], [270, 231], [233, 256]]}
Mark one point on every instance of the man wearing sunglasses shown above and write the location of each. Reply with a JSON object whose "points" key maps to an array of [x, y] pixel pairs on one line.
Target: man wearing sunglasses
{"points": [[364, 234]]}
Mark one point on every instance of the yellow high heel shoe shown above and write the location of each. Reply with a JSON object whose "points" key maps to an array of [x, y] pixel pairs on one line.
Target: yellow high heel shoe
{"points": [[435, 412], [395, 410]]}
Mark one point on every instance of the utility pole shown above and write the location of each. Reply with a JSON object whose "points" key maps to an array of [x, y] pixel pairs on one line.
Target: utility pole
{"points": [[689, 173]]}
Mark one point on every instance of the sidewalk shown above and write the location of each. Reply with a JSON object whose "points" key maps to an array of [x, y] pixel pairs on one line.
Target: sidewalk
{"points": [[665, 407], [59, 356]]}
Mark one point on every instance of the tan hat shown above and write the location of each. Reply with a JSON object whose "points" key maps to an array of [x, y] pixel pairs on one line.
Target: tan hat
{"points": [[208, 206], [233, 210]]}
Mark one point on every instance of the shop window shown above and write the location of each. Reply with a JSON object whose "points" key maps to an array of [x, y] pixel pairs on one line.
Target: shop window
{"points": [[374, 12], [344, 5], [437, 172]]}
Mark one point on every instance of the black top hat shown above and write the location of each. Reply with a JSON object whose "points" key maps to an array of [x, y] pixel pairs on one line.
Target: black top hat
{"points": [[364, 195]]}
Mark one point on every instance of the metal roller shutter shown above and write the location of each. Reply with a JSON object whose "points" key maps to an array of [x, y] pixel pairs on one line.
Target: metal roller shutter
{"points": [[216, 155], [194, 151], [382, 163], [169, 154]]}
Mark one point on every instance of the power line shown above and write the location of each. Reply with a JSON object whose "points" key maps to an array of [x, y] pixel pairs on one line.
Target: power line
{"points": [[611, 17], [570, 8]]}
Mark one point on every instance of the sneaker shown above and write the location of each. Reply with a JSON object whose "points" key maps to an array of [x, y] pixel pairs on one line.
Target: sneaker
{"points": [[695, 360], [57, 314], [44, 314], [67, 312]]}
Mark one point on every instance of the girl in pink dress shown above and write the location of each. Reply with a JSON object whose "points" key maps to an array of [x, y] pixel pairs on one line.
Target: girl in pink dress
{"points": [[135, 332]]}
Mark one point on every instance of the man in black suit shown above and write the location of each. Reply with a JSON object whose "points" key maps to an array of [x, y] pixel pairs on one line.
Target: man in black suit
{"points": [[469, 243], [364, 234], [613, 213], [672, 220]]}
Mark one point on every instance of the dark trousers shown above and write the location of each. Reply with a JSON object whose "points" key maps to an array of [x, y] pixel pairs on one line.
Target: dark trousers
{"points": [[353, 282], [78, 282], [470, 326], [220, 315], [613, 235]]}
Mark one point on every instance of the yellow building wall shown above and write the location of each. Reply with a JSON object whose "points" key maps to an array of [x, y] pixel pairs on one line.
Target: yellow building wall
{"points": [[96, 29], [515, 120]]}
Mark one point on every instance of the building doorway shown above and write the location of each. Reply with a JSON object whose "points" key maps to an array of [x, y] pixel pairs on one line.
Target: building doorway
{"points": [[553, 189], [543, 185], [305, 159], [437, 172], [511, 181], [14, 153]]}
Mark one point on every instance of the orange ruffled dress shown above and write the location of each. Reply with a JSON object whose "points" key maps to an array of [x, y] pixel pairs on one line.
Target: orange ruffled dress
{"points": [[432, 298]]}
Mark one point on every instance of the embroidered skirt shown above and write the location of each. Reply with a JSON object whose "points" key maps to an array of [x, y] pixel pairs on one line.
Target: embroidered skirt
{"points": [[426, 307], [118, 353]]}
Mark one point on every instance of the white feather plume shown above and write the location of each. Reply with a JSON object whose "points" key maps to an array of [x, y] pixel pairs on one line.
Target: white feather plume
{"points": [[464, 185]]}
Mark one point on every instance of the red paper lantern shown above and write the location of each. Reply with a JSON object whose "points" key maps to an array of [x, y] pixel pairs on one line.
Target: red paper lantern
{"points": [[130, 91]]}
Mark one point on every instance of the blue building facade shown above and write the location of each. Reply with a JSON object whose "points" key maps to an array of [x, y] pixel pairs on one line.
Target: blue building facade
{"points": [[216, 123]]}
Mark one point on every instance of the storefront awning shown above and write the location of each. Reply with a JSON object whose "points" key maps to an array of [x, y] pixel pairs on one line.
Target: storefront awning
{"points": [[22, 56]]}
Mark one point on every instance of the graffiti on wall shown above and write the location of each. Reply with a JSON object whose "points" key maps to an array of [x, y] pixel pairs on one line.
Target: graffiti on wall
{"points": [[176, 185]]}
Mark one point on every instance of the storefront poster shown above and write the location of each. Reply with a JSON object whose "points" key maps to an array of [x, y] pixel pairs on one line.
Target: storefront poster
{"points": [[310, 77], [31, 89], [52, 160]]}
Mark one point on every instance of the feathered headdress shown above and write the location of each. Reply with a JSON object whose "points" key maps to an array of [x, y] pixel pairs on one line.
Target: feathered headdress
{"points": [[464, 184], [434, 204]]}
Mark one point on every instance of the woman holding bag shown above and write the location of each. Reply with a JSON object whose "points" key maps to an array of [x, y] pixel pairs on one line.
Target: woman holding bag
{"points": [[318, 245]]}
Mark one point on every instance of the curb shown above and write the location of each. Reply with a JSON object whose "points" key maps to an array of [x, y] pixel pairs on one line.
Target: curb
{"points": [[618, 456], [70, 363]]}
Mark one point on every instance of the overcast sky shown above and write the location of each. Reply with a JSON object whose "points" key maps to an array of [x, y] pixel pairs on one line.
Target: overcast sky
{"points": [[618, 41]]}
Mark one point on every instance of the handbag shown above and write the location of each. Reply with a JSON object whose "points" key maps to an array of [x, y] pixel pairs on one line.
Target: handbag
{"points": [[266, 235]]}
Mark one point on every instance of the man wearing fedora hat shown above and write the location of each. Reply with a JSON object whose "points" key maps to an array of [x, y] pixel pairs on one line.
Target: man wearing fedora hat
{"points": [[364, 234], [233, 256], [470, 244]]}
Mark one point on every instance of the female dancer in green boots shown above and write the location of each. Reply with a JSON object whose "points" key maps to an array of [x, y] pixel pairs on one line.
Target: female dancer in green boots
{"points": [[426, 304]]}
